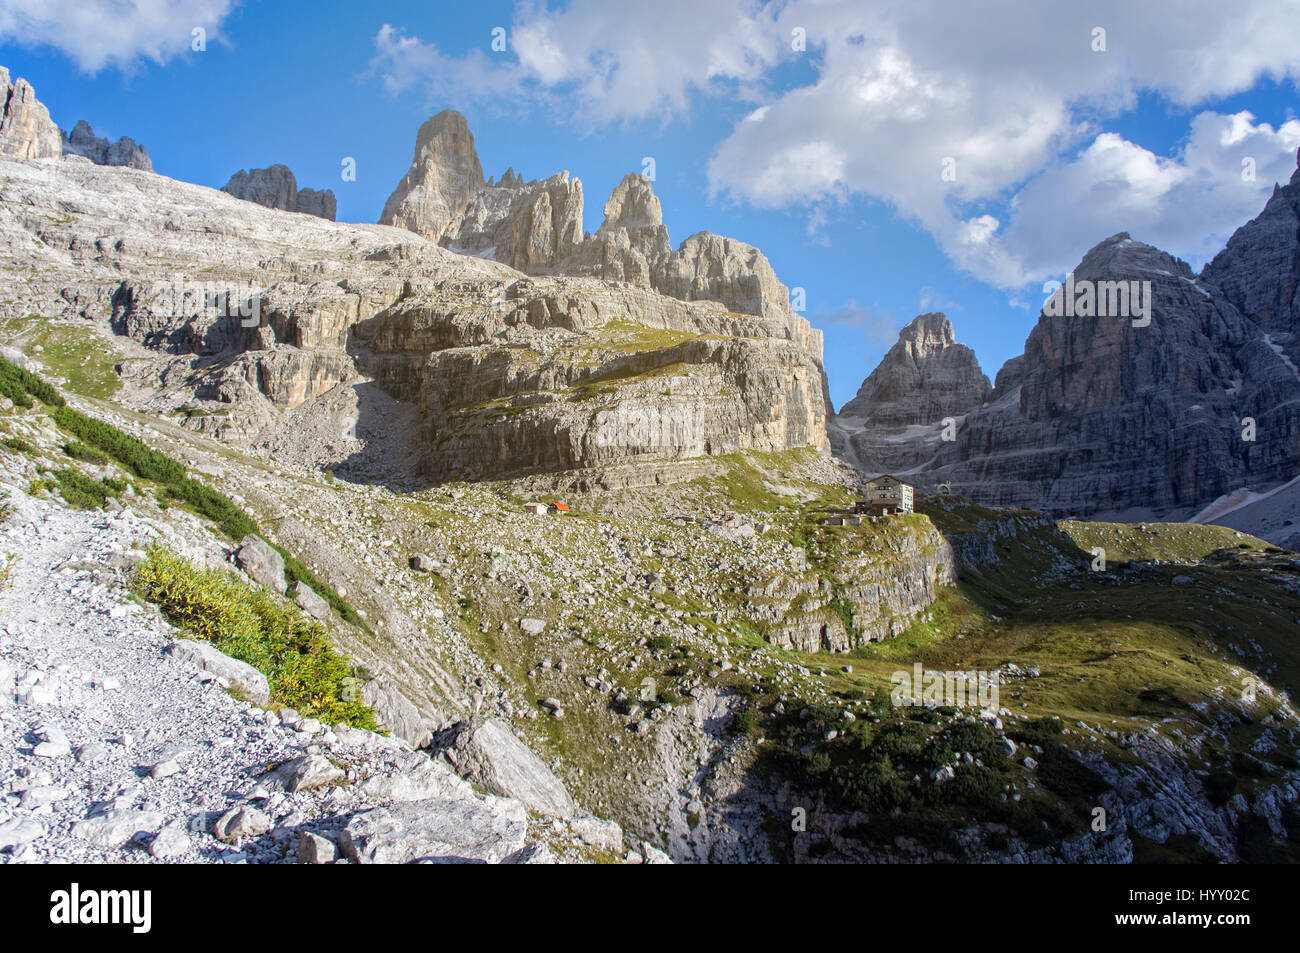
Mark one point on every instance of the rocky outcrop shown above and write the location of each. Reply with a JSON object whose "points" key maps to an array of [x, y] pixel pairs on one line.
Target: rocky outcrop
{"points": [[867, 598], [320, 203], [486, 752], [1259, 270], [469, 830], [897, 420], [275, 187], [242, 677], [536, 227], [924, 377], [82, 141], [529, 226], [26, 130], [444, 176], [560, 376], [261, 563]]}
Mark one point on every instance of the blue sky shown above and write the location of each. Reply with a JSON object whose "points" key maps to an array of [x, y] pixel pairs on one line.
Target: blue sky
{"points": [[829, 158]]}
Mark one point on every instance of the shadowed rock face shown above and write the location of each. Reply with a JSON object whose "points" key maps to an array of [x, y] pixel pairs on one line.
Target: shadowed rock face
{"points": [[26, 130], [275, 187], [82, 141], [1110, 417], [1104, 417], [536, 227], [1259, 270]]}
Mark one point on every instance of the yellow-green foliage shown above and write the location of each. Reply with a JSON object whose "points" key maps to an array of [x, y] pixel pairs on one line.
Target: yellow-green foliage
{"points": [[264, 630]]}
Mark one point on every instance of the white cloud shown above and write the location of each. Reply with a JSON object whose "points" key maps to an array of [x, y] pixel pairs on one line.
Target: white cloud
{"points": [[606, 61], [1187, 204], [1002, 93], [1010, 95], [99, 33]]}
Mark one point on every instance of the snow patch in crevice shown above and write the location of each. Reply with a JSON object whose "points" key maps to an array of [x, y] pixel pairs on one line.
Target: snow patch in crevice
{"points": [[1277, 349]]}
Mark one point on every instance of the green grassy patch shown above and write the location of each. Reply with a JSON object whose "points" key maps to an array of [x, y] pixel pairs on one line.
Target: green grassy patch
{"points": [[1147, 542], [77, 354], [266, 631]]}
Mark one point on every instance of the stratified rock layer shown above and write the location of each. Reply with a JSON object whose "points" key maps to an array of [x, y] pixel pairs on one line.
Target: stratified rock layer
{"points": [[578, 378]]}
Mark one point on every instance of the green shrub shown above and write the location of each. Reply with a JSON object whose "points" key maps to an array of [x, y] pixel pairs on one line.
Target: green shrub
{"points": [[295, 571], [253, 625], [15, 392], [745, 722], [217, 507], [21, 386], [81, 491], [20, 445], [131, 453], [79, 451]]}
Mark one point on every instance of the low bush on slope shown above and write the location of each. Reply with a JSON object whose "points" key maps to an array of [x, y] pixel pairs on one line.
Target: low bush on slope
{"points": [[149, 464], [252, 625], [21, 386], [291, 651]]}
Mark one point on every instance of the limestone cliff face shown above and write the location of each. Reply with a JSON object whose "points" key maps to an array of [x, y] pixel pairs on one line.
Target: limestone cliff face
{"points": [[1259, 270], [26, 130], [82, 141], [1109, 417], [869, 598], [276, 187], [528, 226], [260, 313], [1104, 414], [536, 227], [926, 376], [444, 176]]}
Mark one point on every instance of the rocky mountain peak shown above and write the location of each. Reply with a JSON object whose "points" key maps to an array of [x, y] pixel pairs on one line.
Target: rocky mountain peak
{"points": [[82, 141], [927, 334], [896, 420], [445, 175], [276, 187], [537, 228], [1122, 256], [1259, 269], [26, 130], [924, 377], [633, 204], [446, 136]]}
